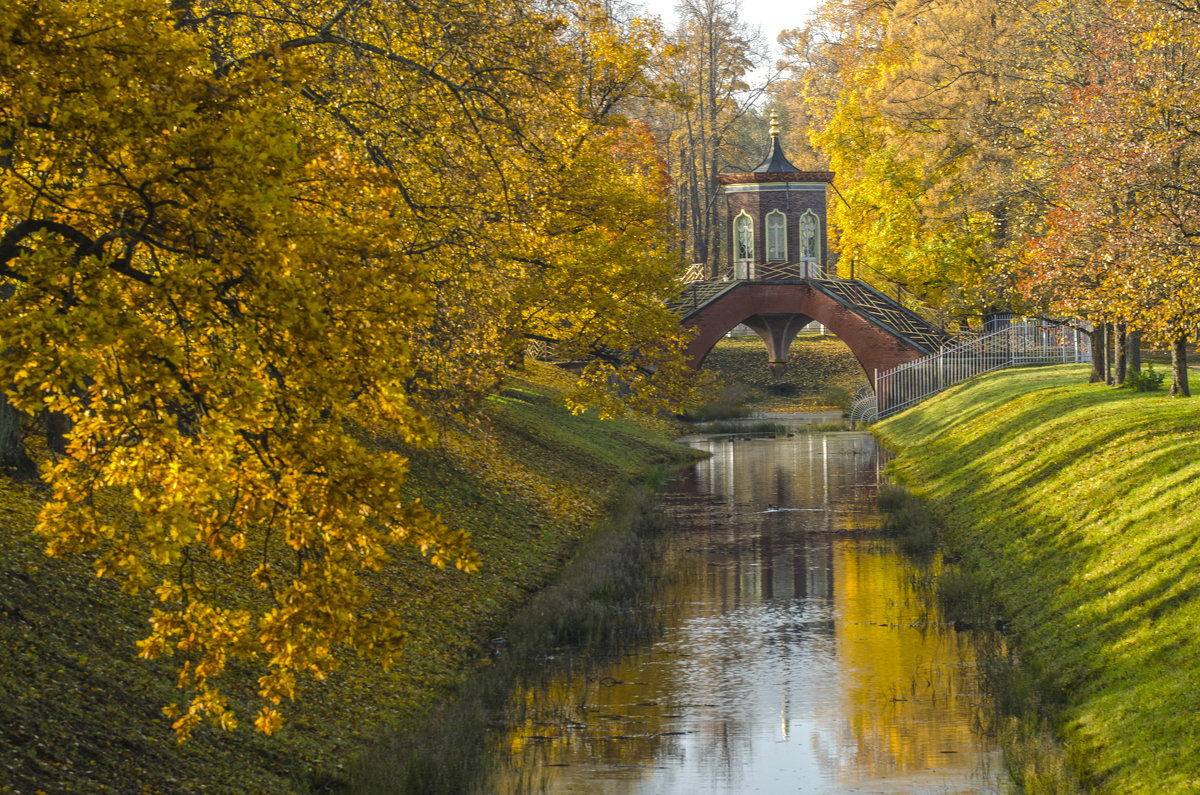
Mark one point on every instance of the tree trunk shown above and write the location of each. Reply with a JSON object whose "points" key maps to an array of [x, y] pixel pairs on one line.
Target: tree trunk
{"points": [[1179, 381], [1108, 353], [1122, 346], [699, 252], [1097, 336], [58, 425], [14, 461], [1135, 351]]}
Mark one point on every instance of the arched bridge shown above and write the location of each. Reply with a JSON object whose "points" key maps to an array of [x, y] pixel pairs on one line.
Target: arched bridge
{"points": [[878, 330]]}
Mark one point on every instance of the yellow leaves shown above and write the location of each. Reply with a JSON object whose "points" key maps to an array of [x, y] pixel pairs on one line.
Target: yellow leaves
{"points": [[278, 685], [261, 576], [268, 721], [208, 704], [220, 287]]}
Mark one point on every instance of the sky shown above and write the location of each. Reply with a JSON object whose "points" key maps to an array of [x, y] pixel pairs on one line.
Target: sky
{"points": [[769, 16]]}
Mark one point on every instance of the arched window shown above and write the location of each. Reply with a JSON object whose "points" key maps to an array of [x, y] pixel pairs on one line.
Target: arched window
{"points": [[743, 245], [776, 235], [810, 243]]}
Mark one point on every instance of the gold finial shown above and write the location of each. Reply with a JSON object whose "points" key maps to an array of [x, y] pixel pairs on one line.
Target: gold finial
{"points": [[774, 124]]}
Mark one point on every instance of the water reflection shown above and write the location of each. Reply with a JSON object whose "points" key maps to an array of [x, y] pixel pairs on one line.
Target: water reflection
{"points": [[796, 656]]}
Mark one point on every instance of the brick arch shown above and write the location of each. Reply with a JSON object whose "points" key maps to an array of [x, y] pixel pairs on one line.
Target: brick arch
{"points": [[776, 310]]}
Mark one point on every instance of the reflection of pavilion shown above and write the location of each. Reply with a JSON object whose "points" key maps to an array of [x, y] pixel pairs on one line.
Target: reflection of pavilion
{"points": [[822, 478], [819, 483]]}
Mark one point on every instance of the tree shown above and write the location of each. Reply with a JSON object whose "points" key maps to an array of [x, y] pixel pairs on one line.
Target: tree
{"points": [[193, 290], [709, 57], [1127, 189], [835, 69], [14, 460], [920, 109], [232, 234]]}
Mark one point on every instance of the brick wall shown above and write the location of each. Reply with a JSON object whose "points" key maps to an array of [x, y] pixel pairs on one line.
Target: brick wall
{"points": [[792, 193]]}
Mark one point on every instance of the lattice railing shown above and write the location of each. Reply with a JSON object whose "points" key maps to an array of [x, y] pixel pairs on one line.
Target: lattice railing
{"points": [[696, 294], [887, 312], [694, 273], [776, 271]]}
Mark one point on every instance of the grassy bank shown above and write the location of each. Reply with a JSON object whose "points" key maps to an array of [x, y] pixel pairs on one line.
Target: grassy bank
{"points": [[1075, 506], [821, 373], [79, 712]]}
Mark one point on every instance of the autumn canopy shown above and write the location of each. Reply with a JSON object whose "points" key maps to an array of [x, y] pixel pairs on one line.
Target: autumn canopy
{"points": [[1009, 156], [241, 242], [233, 236]]}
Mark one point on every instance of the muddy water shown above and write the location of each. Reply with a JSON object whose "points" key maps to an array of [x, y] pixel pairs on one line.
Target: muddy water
{"points": [[796, 656]]}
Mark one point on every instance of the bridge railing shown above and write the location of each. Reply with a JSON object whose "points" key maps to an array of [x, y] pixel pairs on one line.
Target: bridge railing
{"points": [[1025, 343], [804, 269]]}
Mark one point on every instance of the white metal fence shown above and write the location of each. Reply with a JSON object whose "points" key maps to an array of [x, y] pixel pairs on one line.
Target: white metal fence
{"points": [[1023, 343], [863, 407]]}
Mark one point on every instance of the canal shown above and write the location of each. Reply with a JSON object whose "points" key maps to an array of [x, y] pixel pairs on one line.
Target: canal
{"points": [[796, 654]]}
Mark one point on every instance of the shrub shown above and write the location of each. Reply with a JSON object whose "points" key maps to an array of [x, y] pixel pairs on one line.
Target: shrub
{"points": [[730, 402], [837, 396], [1148, 380]]}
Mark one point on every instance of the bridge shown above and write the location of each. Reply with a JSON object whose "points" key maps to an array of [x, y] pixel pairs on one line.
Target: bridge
{"points": [[880, 332], [780, 276]]}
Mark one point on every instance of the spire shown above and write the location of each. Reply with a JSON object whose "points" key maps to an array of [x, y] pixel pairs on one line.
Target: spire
{"points": [[776, 161]]}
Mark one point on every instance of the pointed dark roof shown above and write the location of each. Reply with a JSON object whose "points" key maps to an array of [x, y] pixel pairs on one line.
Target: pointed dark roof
{"points": [[776, 162], [776, 167]]}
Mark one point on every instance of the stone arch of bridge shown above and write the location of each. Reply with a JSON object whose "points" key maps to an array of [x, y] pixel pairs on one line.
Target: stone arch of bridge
{"points": [[777, 311]]}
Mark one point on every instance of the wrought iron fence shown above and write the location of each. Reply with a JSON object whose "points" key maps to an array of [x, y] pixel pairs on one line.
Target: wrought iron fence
{"points": [[863, 407], [1024, 343]]}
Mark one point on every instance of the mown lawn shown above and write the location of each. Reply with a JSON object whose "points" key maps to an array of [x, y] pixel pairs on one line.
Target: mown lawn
{"points": [[1078, 505], [80, 712]]}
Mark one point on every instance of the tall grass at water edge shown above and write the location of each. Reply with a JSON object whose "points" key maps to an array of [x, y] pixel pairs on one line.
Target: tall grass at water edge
{"points": [[763, 428], [1071, 507]]}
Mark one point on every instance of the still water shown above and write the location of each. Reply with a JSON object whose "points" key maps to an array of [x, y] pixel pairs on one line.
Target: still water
{"points": [[796, 657]]}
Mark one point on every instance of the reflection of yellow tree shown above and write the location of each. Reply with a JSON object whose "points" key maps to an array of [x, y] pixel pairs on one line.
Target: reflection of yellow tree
{"points": [[900, 671], [817, 631], [895, 712]]}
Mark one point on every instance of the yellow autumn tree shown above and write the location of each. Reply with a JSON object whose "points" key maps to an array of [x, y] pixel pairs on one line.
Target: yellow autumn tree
{"points": [[490, 117], [1120, 245], [922, 108], [230, 235]]}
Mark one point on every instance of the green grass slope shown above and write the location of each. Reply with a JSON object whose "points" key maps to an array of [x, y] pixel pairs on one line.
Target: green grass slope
{"points": [[1079, 505], [80, 712]]}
